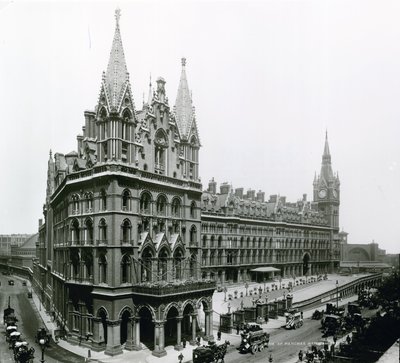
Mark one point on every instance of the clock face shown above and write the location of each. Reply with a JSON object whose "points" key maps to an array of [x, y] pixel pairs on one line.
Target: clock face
{"points": [[322, 193]]}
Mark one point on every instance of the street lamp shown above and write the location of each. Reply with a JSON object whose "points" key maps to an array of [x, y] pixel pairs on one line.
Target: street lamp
{"points": [[42, 344], [225, 290], [337, 294]]}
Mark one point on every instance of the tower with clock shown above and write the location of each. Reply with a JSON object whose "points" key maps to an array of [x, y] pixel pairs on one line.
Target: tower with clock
{"points": [[327, 189]]}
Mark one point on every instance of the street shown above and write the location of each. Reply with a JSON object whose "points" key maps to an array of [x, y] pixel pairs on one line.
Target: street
{"points": [[28, 323], [284, 344]]}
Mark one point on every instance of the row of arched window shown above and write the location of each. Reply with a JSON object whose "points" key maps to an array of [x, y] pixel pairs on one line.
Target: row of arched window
{"points": [[146, 204], [85, 234], [161, 266]]}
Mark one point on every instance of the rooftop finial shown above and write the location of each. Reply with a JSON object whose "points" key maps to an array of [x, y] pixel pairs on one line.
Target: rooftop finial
{"points": [[117, 15], [183, 60], [51, 153]]}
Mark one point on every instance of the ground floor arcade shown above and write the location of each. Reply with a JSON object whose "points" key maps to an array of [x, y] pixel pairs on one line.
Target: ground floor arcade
{"points": [[134, 321]]}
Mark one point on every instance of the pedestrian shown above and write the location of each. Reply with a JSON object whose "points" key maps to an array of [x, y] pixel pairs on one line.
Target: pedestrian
{"points": [[198, 340], [219, 334], [334, 339], [301, 355], [237, 329], [184, 342], [348, 339]]}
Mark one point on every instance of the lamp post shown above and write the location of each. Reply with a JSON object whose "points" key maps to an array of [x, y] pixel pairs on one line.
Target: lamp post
{"points": [[337, 294], [42, 344], [225, 290]]}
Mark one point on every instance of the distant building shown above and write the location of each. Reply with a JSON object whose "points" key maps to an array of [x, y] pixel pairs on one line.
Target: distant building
{"points": [[24, 254], [8, 240], [361, 257]]}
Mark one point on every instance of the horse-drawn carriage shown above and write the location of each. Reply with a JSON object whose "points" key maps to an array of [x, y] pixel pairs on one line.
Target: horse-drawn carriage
{"points": [[10, 329], [211, 353], [22, 353], [14, 337], [9, 317]]}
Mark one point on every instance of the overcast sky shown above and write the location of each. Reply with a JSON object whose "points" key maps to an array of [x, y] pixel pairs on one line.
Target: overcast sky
{"points": [[268, 78]]}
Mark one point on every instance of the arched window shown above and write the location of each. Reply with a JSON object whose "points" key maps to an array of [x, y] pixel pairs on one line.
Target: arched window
{"points": [[219, 241], [176, 208], [102, 232], [193, 235], [103, 200], [204, 245], [88, 231], [193, 210], [125, 269], [162, 265], [161, 205], [212, 241], [75, 235], [75, 204], [145, 203], [147, 263], [88, 262], [160, 152], [102, 269], [75, 263], [126, 200], [177, 263], [89, 202], [126, 229]]}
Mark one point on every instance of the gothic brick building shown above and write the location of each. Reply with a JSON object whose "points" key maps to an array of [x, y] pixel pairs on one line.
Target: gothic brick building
{"points": [[131, 248], [244, 237], [118, 254]]}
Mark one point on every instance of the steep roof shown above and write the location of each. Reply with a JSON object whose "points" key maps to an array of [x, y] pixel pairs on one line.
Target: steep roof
{"points": [[183, 109], [117, 73]]}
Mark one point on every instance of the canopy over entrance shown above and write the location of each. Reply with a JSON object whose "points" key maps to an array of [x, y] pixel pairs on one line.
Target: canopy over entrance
{"points": [[265, 269]]}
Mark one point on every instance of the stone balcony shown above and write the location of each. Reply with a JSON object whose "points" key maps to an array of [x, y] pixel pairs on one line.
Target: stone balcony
{"points": [[172, 288]]}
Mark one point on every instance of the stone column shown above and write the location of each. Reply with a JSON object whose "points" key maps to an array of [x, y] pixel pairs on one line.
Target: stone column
{"points": [[178, 345], [137, 334], [194, 323], [159, 350], [97, 341], [223, 277], [130, 341], [113, 338], [209, 324]]}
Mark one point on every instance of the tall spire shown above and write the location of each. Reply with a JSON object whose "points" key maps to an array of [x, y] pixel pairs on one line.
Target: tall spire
{"points": [[117, 73], [183, 105], [326, 148], [326, 167], [150, 97]]}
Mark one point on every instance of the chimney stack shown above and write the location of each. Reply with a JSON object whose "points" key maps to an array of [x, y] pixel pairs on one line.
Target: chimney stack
{"points": [[212, 186]]}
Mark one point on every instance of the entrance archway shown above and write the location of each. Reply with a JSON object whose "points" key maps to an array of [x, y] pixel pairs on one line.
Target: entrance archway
{"points": [[171, 327], [186, 322], [126, 315], [102, 314], [146, 328], [306, 263]]}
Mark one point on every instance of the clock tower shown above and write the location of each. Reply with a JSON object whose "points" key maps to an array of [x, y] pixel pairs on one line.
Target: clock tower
{"points": [[327, 189]]}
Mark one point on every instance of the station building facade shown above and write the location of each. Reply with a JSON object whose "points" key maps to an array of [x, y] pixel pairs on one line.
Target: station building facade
{"points": [[125, 252]]}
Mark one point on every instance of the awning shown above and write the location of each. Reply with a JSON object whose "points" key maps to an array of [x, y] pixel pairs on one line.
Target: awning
{"points": [[265, 269]]}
